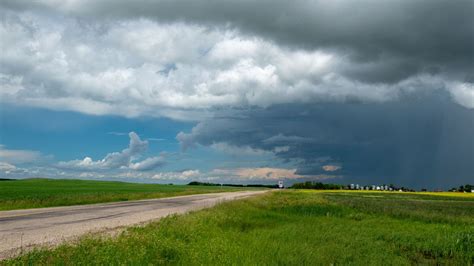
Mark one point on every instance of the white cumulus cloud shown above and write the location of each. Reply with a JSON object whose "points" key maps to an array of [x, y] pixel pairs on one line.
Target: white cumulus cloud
{"points": [[125, 159]]}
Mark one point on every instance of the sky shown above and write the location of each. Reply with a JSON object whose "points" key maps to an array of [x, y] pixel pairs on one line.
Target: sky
{"points": [[224, 91]]}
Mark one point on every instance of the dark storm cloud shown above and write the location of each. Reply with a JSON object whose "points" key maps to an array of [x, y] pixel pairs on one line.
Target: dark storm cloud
{"points": [[305, 61], [391, 40], [424, 141]]}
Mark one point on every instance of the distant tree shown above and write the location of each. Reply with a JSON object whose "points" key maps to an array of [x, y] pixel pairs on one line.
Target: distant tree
{"points": [[468, 187]]}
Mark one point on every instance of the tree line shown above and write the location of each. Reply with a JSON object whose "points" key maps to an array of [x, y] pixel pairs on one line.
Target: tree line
{"points": [[196, 183], [465, 188], [316, 185]]}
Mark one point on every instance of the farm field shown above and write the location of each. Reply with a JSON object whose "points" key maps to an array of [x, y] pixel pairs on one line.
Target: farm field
{"points": [[292, 227], [37, 193]]}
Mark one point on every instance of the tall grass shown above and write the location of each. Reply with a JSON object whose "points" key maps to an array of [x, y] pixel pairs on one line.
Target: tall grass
{"points": [[289, 228]]}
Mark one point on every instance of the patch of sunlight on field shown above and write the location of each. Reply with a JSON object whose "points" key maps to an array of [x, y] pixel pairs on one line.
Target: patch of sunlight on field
{"points": [[449, 194]]}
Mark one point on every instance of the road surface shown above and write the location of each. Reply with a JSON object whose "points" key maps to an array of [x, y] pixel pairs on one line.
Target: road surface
{"points": [[20, 230]]}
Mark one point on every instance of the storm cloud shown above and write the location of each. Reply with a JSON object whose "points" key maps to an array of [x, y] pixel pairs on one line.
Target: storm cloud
{"points": [[422, 141], [394, 39], [173, 58], [365, 91]]}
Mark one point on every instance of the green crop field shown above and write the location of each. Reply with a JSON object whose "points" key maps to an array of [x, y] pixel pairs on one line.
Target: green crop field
{"points": [[36, 193], [291, 227]]}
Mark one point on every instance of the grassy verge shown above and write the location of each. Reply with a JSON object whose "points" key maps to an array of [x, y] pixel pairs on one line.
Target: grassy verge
{"points": [[294, 228], [37, 193]]}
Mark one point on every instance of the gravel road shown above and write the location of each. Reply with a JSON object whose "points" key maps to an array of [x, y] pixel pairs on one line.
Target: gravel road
{"points": [[21, 230]]}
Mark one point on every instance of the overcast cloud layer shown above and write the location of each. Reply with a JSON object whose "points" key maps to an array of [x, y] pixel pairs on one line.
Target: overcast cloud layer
{"points": [[352, 89], [160, 58]]}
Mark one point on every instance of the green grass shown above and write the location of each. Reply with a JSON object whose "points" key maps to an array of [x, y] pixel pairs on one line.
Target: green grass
{"points": [[37, 193], [291, 228]]}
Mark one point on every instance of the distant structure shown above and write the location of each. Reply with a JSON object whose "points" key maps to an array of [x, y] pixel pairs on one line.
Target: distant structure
{"points": [[280, 184], [371, 187], [464, 188]]}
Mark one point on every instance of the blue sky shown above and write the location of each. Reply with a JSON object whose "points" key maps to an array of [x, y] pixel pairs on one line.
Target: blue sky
{"points": [[368, 92], [55, 136], [83, 135]]}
